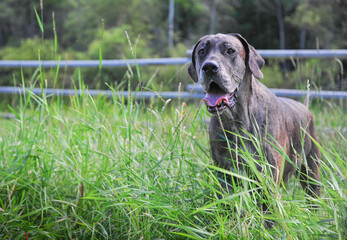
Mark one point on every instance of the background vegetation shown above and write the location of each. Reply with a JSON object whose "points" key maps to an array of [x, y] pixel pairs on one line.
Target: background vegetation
{"points": [[92, 168], [82, 27]]}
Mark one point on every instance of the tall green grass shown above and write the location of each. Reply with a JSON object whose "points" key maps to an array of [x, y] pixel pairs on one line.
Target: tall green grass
{"points": [[95, 168]]}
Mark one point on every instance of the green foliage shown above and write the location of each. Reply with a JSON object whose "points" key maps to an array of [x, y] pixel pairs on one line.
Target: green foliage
{"points": [[323, 74], [29, 49], [35, 49], [94, 168], [317, 20], [77, 27], [81, 31], [273, 76], [115, 45], [77, 21]]}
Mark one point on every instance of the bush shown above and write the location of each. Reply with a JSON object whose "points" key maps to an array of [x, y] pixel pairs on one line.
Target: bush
{"points": [[113, 44], [34, 49], [29, 49]]}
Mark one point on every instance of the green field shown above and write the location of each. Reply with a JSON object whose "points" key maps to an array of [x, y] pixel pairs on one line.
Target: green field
{"points": [[97, 168]]}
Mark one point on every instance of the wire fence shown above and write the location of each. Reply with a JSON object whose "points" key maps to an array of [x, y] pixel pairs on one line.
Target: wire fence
{"points": [[106, 93], [291, 93], [93, 63], [294, 53], [192, 92]]}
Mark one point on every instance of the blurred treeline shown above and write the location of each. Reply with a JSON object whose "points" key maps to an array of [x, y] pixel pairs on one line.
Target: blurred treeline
{"points": [[84, 29]]}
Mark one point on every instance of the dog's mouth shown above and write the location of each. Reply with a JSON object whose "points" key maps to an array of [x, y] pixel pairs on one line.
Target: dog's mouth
{"points": [[218, 100]]}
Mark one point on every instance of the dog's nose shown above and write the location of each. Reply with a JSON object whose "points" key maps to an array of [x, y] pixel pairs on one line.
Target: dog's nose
{"points": [[210, 67]]}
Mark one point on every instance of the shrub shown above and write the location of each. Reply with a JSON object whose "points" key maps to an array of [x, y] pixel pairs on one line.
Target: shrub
{"points": [[34, 49]]}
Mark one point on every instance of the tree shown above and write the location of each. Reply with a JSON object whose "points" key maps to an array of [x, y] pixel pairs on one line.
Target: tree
{"points": [[280, 9], [315, 21], [17, 20]]}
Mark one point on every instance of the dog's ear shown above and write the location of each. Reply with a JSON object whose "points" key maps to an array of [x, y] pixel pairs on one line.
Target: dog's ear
{"points": [[192, 72], [192, 68], [254, 61]]}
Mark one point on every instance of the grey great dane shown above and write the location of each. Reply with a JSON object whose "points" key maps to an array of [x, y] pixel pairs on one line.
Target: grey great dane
{"points": [[227, 67]]}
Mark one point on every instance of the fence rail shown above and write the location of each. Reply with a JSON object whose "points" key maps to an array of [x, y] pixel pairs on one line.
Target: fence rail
{"points": [[294, 53], [107, 93], [93, 63], [300, 53], [190, 93], [304, 53], [292, 93], [193, 92]]}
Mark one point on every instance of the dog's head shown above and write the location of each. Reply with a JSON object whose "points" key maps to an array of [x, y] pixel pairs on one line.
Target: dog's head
{"points": [[219, 64]]}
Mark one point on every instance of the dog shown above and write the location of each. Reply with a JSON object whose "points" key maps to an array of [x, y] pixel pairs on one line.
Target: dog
{"points": [[227, 68]]}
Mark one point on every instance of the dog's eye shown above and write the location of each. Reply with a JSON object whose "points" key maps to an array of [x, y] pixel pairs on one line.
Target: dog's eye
{"points": [[230, 50], [201, 52]]}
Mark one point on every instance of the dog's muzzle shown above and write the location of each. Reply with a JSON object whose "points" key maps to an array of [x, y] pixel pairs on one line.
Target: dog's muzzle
{"points": [[220, 101]]}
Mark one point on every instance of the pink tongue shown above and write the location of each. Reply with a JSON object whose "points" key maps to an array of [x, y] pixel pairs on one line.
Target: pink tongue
{"points": [[212, 99]]}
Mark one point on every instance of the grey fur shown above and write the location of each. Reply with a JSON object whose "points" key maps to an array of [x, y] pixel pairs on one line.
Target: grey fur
{"points": [[256, 109]]}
